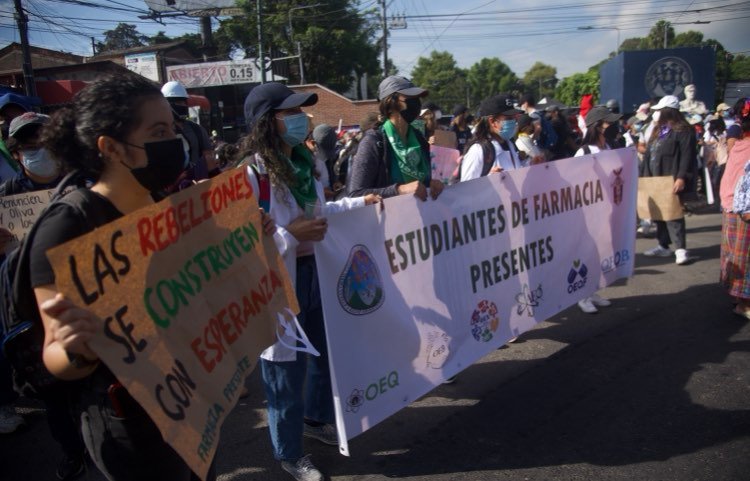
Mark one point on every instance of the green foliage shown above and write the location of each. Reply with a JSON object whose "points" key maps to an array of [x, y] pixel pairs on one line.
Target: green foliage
{"points": [[630, 44], [655, 38], [739, 69], [488, 77], [540, 80], [335, 38], [570, 89], [691, 38], [123, 36], [441, 76]]}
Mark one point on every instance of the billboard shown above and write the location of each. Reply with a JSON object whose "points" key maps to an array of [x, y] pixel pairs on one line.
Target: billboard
{"points": [[212, 74], [144, 64], [196, 7], [633, 77]]}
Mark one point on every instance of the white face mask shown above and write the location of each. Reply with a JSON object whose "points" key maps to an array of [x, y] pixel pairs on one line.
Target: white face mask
{"points": [[40, 163]]}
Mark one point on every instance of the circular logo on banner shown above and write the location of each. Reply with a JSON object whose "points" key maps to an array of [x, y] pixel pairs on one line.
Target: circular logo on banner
{"points": [[668, 76], [360, 288], [484, 321]]}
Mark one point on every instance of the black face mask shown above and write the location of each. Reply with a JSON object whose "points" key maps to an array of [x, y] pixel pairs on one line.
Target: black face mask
{"points": [[610, 133], [181, 111], [411, 112], [166, 160]]}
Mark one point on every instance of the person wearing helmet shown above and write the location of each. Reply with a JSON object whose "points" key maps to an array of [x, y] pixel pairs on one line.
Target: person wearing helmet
{"points": [[198, 144]]}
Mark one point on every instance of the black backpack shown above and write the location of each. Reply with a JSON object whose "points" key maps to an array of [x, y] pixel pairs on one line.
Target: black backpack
{"points": [[22, 328]]}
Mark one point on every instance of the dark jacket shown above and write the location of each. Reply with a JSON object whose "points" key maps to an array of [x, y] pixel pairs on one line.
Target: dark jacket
{"points": [[20, 184], [370, 170], [676, 157]]}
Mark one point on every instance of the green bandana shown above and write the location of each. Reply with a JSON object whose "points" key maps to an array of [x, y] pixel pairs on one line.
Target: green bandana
{"points": [[408, 162], [303, 190]]}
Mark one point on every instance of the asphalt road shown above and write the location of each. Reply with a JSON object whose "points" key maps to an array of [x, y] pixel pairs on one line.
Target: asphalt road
{"points": [[655, 387]]}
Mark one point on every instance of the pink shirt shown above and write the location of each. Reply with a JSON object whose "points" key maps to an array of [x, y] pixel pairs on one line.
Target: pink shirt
{"points": [[738, 157]]}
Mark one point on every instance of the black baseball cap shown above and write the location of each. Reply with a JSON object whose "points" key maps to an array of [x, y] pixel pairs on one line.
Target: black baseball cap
{"points": [[274, 96], [601, 113], [25, 120], [459, 109], [501, 104], [394, 83]]}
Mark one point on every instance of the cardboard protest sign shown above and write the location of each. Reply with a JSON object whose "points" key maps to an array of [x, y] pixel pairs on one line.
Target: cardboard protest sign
{"points": [[189, 291], [444, 162], [656, 200], [418, 291], [19, 212], [445, 138]]}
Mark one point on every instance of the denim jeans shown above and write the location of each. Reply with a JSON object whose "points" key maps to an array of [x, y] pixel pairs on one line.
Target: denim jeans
{"points": [[300, 389], [127, 446], [671, 231]]}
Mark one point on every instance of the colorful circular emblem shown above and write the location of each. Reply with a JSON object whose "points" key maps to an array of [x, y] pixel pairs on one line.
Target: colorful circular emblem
{"points": [[360, 287], [484, 321]]}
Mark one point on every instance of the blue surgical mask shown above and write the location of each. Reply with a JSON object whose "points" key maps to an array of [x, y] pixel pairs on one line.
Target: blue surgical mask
{"points": [[39, 163], [508, 129], [727, 114], [296, 129]]}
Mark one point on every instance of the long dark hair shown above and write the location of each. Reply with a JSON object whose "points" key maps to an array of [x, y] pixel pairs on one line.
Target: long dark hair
{"points": [[591, 137], [109, 106], [264, 140], [671, 117], [483, 135]]}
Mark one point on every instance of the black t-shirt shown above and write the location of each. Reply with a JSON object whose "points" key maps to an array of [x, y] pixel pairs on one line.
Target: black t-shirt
{"points": [[61, 224], [462, 138]]}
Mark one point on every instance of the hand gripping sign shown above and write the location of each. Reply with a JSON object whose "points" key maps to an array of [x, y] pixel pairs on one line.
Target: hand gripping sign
{"points": [[188, 291]]}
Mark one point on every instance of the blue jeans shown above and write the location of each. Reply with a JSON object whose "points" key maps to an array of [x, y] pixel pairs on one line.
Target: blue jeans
{"points": [[300, 389]]}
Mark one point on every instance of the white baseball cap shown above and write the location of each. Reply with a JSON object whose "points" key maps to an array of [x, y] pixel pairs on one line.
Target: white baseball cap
{"points": [[669, 101]]}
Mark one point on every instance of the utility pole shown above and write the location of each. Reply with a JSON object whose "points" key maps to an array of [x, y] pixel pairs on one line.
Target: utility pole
{"points": [[23, 31], [666, 28], [261, 56], [93, 46], [385, 39], [207, 38]]}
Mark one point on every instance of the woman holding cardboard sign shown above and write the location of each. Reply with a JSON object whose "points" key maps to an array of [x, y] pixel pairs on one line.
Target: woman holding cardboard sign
{"points": [[671, 150], [298, 386], [120, 133]]}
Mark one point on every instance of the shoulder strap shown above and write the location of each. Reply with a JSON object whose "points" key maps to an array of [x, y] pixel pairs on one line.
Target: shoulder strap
{"points": [[488, 155], [264, 188], [586, 150]]}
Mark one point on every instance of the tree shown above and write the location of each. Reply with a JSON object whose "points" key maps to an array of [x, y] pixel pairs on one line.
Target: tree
{"points": [[160, 37], [691, 38], [739, 69], [337, 41], [631, 44], [655, 38], [488, 77], [540, 80], [441, 76], [570, 89], [123, 36]]}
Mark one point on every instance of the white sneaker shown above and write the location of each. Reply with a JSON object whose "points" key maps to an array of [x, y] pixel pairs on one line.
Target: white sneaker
{"points": [[302, 469], [587, 306], [600, 301], [9, 419], [658, 251], [681, 256]]}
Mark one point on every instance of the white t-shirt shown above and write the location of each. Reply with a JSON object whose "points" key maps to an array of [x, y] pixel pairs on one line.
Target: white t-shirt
{"points": [[525, 144], [471, 165], [594, 150]]}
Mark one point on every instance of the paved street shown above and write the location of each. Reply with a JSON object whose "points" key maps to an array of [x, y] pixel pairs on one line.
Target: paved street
{"points": [[655, 387]]}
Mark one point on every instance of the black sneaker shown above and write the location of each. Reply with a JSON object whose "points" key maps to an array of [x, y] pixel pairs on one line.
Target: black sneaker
{"points": [[70, 467]]}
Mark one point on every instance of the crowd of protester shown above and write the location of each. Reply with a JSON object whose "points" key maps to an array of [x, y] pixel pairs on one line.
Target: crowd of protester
{"points": [[131, 144]]}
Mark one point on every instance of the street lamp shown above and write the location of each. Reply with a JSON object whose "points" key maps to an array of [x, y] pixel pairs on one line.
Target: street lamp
{"points": [[589, 27], [299, 46]]}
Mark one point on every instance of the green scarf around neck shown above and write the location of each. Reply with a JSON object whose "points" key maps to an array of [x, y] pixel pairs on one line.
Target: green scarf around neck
{"points": [[302, 163], [409, 164]]}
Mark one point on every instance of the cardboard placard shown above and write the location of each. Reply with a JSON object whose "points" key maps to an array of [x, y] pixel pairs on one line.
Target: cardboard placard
{"points": [[189, 290], [19, 212], [656, 200], [445, 138]]}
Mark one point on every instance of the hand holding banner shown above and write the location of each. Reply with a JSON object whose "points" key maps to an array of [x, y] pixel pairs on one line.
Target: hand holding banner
{"points": [[188, 291]]}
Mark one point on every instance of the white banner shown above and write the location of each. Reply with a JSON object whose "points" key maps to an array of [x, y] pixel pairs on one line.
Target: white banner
{"points": [[144, 64], [211, 74], [417, 291]]}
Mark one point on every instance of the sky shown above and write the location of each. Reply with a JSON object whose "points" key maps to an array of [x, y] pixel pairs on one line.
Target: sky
{"points": [[518, 32]]}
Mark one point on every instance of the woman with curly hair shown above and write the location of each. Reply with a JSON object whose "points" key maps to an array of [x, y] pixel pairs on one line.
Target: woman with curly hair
{"points": [[297, 385]]}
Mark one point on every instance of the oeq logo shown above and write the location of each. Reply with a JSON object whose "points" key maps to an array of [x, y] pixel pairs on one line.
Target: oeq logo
{"points": [[484, 321], [619, 258], [577, 276], [358, 396], [360, 287]]}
